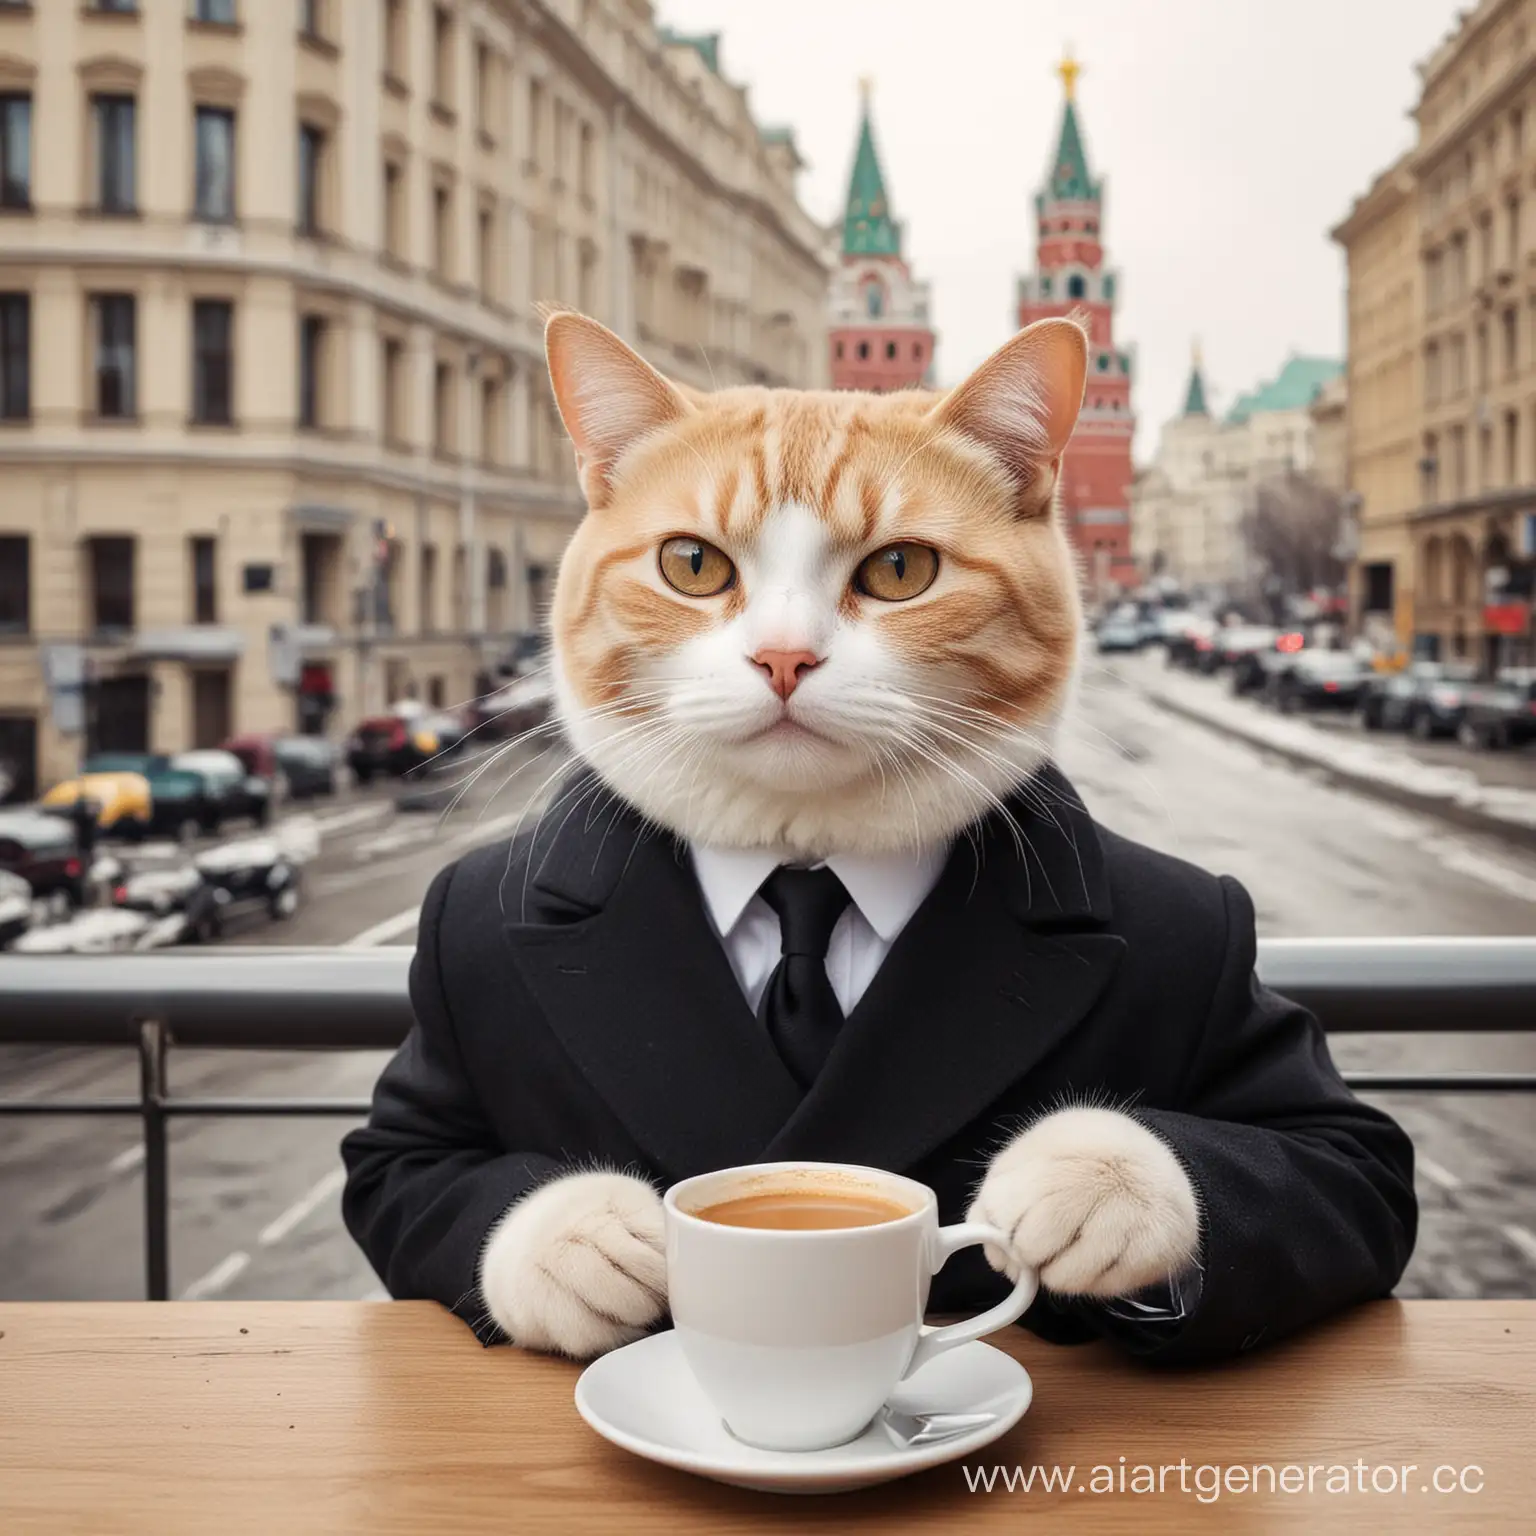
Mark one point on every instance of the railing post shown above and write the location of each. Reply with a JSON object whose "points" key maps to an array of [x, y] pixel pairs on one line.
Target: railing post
{"points": [[152, 1097]]}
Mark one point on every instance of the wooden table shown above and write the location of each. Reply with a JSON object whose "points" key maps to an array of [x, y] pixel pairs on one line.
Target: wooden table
{"points": [[291, 1417]]}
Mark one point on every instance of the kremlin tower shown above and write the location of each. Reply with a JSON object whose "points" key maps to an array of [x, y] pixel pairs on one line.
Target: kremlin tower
{"points": [[1070, 276], [878, 321]]}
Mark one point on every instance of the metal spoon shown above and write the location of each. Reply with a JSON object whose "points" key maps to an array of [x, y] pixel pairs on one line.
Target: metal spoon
{"points": [[914, 1429]]}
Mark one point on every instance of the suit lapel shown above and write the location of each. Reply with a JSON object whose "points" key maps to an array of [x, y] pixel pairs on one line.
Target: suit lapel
{"points": [[642, 997], [1001, 963]]}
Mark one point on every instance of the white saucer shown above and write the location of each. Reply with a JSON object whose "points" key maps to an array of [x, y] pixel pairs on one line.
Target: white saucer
{"points": [[644, 1398]]}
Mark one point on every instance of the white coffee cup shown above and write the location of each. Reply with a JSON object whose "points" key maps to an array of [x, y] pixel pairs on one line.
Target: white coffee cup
{"points": [[799, 1336]]}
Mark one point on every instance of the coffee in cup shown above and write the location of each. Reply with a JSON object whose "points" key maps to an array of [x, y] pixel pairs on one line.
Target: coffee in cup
{"points": [[798, 1291]]}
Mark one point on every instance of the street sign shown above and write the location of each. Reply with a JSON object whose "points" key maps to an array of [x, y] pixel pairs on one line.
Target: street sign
{"points": [[64, 668], [1507, 618]]}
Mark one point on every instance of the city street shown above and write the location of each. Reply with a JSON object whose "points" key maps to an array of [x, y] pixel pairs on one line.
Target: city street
{"points": [[256, 1203]]}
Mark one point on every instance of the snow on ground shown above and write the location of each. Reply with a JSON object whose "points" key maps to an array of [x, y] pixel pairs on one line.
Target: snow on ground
{"points": [[1364, 762]]}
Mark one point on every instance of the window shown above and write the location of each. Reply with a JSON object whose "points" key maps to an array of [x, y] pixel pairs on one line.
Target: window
{"points": [[1045, 287], [890, 350], [1511, 341], [15, 584], [584, 181], [486, 253], [212, 371], [917, 351], [393, 416], [490, 418], [427, 595], [442, 226], [116, 176], [1511, 448], [483, 86], [535, 122], [115, 7], [874, 300], [116, 368], [15, 151], [394, 39], [312, 18], [442, 408], [311, 165], [863, 351], [311, 363], [219, 12], [15, 356], [839, 350], [205, 604], [215, 190], [111, 566], [442, 57], [394, 210], [1077, 288]]}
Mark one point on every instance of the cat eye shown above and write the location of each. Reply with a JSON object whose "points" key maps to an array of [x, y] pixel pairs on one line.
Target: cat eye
{"points": [[695, 568], [897, 572]]}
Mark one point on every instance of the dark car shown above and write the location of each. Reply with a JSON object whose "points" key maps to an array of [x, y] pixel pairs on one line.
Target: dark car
{"points": [[1229, 645], [16, 902], [1253, 670], [1317, 679], [394, 744], [1119, 634], [43, 851], [307, 765], [1439, 701], [232, 791], [1386, 700], [181, 804], [1501, 713], [1185, 643]]}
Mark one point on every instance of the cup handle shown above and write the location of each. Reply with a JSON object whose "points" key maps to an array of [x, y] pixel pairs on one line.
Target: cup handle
{"points": [[934, 1341]]}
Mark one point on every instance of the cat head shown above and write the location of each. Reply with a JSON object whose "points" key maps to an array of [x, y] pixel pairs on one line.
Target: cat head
{"points": [[822, 621]]}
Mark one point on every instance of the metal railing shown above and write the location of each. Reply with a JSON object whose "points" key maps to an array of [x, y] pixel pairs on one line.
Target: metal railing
{"points": [[334, 999]]}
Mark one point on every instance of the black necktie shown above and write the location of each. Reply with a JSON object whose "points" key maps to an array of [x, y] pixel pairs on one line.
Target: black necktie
{"points": [[799, 1007]]}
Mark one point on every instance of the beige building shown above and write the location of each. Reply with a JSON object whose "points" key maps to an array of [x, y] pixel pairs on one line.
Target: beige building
{"points": [[1442, 261], [1380, 238], [1188, 504], [276, 445]]}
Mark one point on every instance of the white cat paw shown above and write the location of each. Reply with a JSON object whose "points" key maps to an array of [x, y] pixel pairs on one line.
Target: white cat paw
{"points": [[1092, 1201], [579, 1266]]}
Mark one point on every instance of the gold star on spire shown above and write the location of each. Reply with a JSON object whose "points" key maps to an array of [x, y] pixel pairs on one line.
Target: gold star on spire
{"points": [[866, 89], [1195, 353], [1069, 69]]}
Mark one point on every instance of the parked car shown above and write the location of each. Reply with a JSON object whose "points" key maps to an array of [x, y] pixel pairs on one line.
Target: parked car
{"points": [[144, 763], [122, 800], [1501, 713], [232, 791], [308, 765], [249, 875], [1386, 700], [522, 705], [1228, 645], [1186, 642], [1118, 634], [42, 850], [1317, 679], [394, 744], [1439, 700], [182, 804], [16, 906]]}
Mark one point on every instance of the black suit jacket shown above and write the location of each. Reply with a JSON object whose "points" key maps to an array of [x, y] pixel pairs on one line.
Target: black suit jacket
{"points": [[574, 1007]]}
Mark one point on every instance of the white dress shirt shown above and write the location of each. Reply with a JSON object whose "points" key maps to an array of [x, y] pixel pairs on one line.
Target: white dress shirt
{"points": [[886, 890]]}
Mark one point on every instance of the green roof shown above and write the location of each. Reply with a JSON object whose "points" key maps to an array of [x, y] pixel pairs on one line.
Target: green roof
{"points": [[1194, 396], [868, 228], [1296, 386], [1069, 179], [705, 44]]}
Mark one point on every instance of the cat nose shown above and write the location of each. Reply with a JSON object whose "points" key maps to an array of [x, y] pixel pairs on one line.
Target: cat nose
{"points": [[784, 669]]}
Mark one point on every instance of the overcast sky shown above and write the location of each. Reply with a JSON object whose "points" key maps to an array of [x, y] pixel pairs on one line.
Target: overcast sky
{"points": [[1233, 135]]}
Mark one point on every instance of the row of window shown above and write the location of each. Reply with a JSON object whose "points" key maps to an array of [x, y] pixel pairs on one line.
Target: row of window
{"points": [[114, 373], [1498, 463], [108, 580], [861, 351], [1445, 362], [1447, 272], [224, 13]]}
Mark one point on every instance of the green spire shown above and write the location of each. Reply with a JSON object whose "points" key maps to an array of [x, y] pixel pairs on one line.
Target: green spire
{"points": [[1194, 398], [1069, 179], [868, 228]]}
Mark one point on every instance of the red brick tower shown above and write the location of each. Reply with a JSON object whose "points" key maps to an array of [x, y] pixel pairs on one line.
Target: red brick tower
{"points": [[1070, 276], [878, 313]]}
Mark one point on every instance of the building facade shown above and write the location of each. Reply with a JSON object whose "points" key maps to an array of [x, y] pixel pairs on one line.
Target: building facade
{"points": [[1070, 277], [1380, 238], [1188, 505], [879, 332], [276, 444], [1474, 525]]}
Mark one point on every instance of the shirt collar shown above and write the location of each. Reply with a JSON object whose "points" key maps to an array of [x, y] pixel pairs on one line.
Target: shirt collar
{"points": [[887, 888]]}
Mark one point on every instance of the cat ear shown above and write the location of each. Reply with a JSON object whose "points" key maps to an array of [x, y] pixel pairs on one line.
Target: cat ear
{"points": [[1022, 404], [609, 397]]}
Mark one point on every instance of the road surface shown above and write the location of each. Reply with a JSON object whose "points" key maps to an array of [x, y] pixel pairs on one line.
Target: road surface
{"points": [[256, 1204]]}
